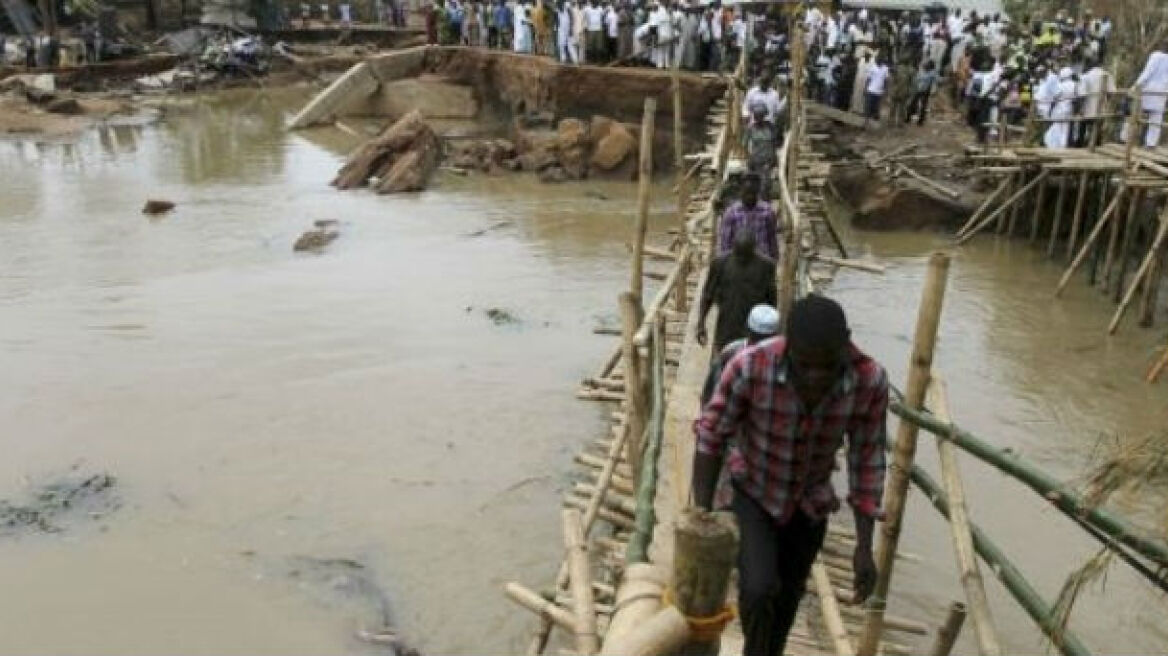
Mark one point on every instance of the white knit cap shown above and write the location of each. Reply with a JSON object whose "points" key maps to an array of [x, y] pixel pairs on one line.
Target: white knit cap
{"points": [[763, 320]]}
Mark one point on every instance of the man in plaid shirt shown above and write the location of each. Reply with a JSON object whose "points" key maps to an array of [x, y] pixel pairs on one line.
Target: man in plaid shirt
{"points": [[790, 401]]}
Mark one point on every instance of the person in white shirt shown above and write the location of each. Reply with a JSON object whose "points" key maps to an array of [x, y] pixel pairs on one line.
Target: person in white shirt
{"points": [[762, 94], [594, 32], [1045, 94], [578, 32], [611, 29], [709, 40], [680, 39], [874, 90], [691, 50], [564, 48], [1094, 84], [1057, 134], [661, 19], [1153, 80]]}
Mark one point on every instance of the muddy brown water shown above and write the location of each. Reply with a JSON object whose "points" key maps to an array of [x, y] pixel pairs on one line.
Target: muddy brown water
{"points": [[263, 409]]}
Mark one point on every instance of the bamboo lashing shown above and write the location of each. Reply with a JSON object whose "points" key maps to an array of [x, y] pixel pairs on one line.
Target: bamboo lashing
{"points": [[970, 574], [920, 363], [947, 634]]}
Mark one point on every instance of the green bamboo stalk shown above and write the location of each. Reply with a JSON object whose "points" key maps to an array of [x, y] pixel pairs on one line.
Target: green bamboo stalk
{"points": [[637, 550], [1009, 574], [1071, 504]]}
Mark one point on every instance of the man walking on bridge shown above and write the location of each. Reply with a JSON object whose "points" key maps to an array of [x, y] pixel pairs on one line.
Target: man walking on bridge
{"points": [[736, 283], [790, 401], [751, 215]]}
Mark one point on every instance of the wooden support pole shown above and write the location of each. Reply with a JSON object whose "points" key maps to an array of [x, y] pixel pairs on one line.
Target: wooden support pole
{"points": [[1091, 239], [1100, 208], [678, 144], [580, 576], [1002, 208], [545, 608], [1016, 210], [947, 634], [1141, 272], [1131, 227], [1113, 237], [1077, 218], [1112, 527], [830, 610], [1152, 286], [1036, 217], [681, 287], [1008, 573], [636, 405], [896, 494], [644, 175], [977, 214], [971, 580], [1057, 222], [1154, 372], [705, 552], [1001, 223], [663, 633]]}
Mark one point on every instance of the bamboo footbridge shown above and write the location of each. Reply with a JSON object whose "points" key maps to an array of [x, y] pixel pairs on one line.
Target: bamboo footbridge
{"points": [[644, 574], [1100, 210]]}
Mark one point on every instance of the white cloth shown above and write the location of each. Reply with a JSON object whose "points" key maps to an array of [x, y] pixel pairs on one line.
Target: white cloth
{"points": [[1092, 86], [877, 79], [769, 99], [1154, 78], [593, 18], [1057, 134], [612, 23], [1045, 94]]}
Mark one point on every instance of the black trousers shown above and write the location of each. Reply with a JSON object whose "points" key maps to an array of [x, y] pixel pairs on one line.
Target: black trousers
{"points": [[773, 564], [918, 105]]}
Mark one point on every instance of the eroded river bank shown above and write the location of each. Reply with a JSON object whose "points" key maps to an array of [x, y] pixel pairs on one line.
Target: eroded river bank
{"points": [[295, 434]]}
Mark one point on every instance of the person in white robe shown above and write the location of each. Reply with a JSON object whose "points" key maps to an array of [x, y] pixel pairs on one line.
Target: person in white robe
{"points": [[1152, 85], [1058, 134]]}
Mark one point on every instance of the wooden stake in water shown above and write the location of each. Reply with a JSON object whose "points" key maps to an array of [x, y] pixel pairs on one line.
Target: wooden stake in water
{"points": [[644, 173], [896, 493]]}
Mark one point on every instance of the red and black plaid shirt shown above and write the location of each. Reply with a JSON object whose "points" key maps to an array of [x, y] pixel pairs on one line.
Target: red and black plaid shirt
{"points": [[789, 451]]}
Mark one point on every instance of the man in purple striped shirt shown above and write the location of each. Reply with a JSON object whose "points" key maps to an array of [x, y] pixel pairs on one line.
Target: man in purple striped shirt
{"points": [[751, 214]]}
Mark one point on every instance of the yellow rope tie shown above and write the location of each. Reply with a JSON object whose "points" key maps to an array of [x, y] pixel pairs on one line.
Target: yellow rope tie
{"points": [[704, 629]]}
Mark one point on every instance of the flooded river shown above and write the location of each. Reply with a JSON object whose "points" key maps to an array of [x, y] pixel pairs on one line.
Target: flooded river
{"points": [[299, 438]]}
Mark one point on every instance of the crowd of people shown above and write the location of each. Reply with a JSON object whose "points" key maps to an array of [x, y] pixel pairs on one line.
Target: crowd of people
{"points": [[886, 67], [1001, 72], [661, 34]]}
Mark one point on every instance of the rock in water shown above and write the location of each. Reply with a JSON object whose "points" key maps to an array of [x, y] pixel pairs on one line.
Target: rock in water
{"points": [[402, 158], [614, 147], [316, 239], [65, 106], [157, 207]]}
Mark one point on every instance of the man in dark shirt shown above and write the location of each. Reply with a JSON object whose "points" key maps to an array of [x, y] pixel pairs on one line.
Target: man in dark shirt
{"points": [[736, 282]]}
